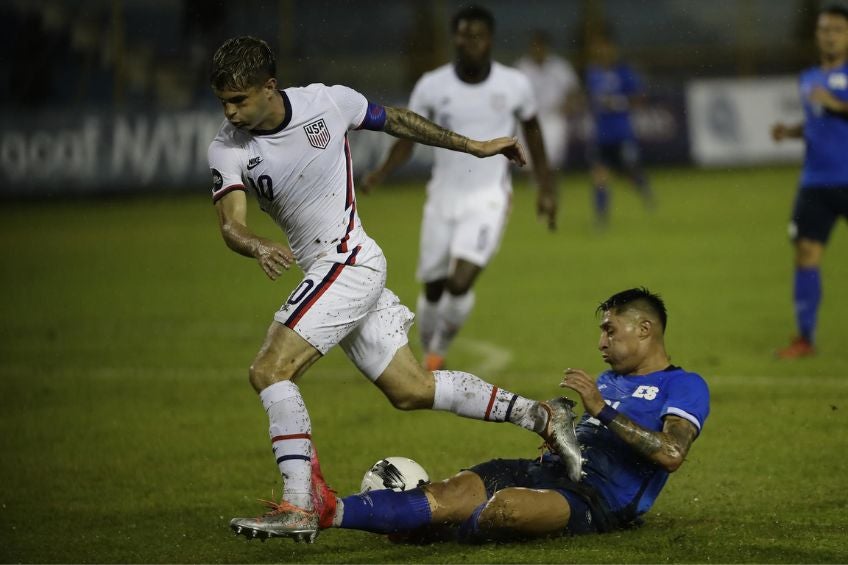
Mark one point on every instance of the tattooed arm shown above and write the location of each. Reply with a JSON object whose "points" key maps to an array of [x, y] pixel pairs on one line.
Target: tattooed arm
{"points": [[667, 448], [406, 124]]}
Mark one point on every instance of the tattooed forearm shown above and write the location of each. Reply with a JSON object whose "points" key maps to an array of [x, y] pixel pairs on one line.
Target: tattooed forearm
{"points": [[667, 448], [406, 124]]}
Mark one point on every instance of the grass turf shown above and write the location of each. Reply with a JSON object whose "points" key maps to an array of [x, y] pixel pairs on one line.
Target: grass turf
{"points": [[129, 433]]}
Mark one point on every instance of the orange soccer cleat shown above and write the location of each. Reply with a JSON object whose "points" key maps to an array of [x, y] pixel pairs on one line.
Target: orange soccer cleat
{"points": [[800, 347], [323, 497], [434, 362]]}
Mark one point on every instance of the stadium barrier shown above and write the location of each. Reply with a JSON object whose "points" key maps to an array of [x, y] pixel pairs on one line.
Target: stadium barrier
{"points": [[730, 120], [714, 122]]}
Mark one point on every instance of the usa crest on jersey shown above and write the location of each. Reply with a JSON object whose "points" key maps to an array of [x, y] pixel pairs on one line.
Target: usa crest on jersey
{"points": [[317, 133]]}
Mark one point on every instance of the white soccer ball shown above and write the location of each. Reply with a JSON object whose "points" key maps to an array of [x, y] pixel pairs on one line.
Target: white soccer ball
{"points": [[396, 473]]}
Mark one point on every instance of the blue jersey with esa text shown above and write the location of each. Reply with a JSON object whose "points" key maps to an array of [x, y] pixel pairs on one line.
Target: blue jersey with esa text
{"points": [[609, 91], [825, 132], [625, 479]]}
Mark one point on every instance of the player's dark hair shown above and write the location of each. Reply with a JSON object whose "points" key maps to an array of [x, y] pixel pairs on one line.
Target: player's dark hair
{"points": [[242, 62], [637, 298], [835, 10], [475, 14]]}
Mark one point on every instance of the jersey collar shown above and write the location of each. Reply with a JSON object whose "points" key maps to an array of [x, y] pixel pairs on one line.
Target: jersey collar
{"points": [[284, 123]]}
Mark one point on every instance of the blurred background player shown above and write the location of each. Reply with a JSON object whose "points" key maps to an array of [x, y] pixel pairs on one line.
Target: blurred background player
{"points": [[468, 200], [613, 88], [641, 418], [555, 84], [290, 147], [823, 193]]}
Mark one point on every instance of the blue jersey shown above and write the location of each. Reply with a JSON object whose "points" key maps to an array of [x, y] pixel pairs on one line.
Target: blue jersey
{"points": [[825, 132], [609, 91], [627, 480]]}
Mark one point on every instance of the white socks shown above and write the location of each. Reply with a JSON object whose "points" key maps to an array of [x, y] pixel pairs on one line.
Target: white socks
{"points": [[427, 316], [472, 397], [452, 311], [291, 440]]}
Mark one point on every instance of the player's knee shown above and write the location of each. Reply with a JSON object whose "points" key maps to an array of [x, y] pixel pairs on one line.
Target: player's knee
{"points": [[499, 512], [808, 253], [433, 290], [262, 375]]}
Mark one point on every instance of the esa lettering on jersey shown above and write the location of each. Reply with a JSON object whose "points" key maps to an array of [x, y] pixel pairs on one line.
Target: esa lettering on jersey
{"points": [[837, 81], [317, 133], [646, 392]]}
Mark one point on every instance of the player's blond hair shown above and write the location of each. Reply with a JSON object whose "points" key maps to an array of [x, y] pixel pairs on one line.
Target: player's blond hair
{"points": [[241, 63]]}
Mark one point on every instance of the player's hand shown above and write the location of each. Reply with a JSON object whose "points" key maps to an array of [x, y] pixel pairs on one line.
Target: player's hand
{"points": [[546, 207], [371, 181], [579, 381], [509, 147], [273, 257], [779, 131]]}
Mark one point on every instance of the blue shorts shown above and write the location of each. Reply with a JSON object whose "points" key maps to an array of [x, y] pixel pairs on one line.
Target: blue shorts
{"points": [[588, 512], [816, 211], [622, 156]]}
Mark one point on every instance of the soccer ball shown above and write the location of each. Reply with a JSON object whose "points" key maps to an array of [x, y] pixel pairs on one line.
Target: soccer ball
{"points": [[396, 473]]}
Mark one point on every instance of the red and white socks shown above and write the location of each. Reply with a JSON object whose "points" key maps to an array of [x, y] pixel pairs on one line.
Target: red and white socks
{"points": [[291, 440]]}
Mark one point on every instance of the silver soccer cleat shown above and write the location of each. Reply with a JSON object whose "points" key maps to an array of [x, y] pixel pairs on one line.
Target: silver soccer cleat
{"points": [[284, 520], [559, 434]]}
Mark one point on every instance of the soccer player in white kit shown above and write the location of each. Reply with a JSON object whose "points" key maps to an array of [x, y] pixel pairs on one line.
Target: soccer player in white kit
{"points": [[468, 200], [290, 148], [556, 87]]}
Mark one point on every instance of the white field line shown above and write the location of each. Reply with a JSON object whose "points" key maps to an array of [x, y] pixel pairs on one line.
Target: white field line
{"points": [[493, 358]]}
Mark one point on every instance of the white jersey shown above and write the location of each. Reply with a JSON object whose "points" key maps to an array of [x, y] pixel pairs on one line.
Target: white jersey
{"points": [[301, 172], [552, 82], [481, 111]]}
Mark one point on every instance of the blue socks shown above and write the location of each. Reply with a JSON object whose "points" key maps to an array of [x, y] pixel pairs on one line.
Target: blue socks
{"points": [[469, 531], [808, 294], [601, 202], [386, 511]]}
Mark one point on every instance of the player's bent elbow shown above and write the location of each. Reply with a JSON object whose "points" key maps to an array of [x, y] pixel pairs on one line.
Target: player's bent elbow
{"points": [[671, 464]]}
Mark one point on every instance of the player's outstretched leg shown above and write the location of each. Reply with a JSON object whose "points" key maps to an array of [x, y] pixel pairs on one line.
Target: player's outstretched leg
{"points": [[467, 395], [409, 387]]}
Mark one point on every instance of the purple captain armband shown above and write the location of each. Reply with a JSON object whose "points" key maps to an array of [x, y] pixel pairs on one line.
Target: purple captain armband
{"points": [[375, 118], [607, 414]]}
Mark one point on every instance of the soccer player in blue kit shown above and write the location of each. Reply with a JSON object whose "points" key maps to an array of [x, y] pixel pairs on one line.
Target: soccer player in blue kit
{"points": [[640, 420], [612, 89], [823, 193]]}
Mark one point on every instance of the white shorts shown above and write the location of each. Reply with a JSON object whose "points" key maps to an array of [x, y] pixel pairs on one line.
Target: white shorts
{"points": [[343, 300], [468, 227], [555, 135]]}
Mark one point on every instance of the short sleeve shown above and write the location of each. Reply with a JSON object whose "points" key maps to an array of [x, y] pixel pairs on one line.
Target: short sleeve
{"points": [[224, 164], [350, 103], [526, 106], [419, 100], [688, 398]]}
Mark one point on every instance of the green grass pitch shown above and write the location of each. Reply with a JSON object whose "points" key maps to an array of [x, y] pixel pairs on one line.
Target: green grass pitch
{"points": [[129, 433]]}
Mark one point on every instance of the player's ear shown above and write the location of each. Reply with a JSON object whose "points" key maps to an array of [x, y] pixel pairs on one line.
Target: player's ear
{"points": [[270, 85], [646, 328]]}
